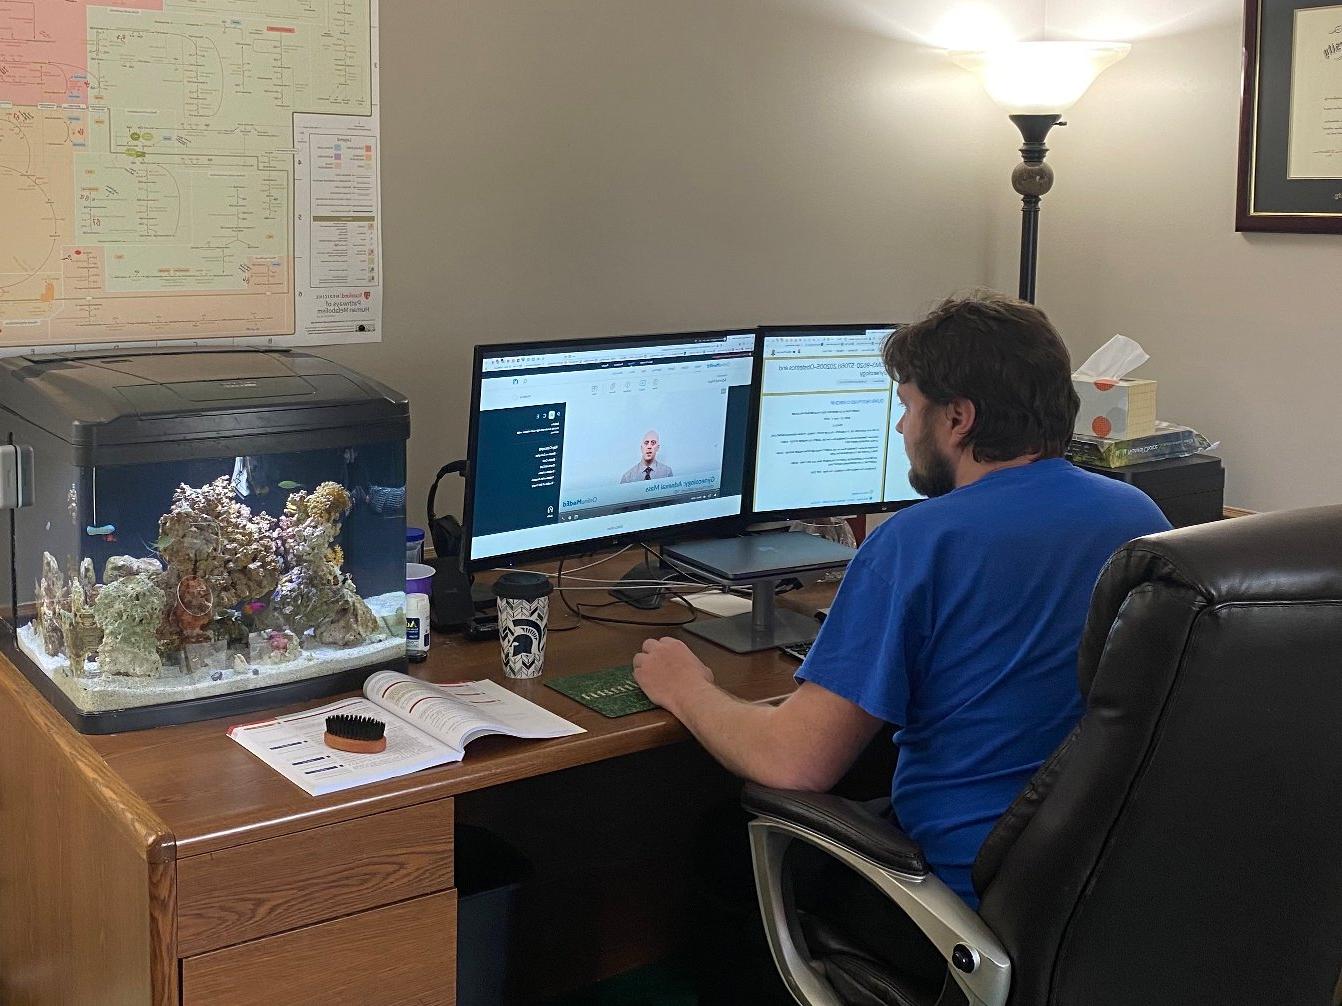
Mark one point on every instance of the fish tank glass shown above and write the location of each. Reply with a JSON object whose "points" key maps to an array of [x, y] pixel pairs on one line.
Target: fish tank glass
{"points": [[208, 533]]}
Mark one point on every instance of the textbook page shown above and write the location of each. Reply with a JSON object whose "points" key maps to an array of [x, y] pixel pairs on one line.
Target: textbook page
{"points": [[294, 747], [458, 713]]}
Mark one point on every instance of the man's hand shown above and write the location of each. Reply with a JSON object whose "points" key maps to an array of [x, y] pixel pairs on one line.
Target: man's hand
{"points": [[666, 670], [806, 742]]}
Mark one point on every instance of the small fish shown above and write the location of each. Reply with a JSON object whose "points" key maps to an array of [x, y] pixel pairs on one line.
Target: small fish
{"points": [[110, 537], [291, 485], [97, 532]]}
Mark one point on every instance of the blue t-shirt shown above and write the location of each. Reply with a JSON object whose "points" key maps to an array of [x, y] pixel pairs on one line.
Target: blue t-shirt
{"points": [[959, 620]]}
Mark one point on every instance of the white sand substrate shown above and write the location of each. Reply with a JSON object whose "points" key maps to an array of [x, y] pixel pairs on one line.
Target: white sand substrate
{"points": [[94, 692]]}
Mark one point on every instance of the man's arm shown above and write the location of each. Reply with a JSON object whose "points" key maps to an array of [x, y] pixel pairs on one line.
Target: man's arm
{"points": [[806, 742]]}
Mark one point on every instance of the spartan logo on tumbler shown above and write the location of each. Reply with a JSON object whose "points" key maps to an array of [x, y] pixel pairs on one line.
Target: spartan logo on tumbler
{"points": [[526, 637]]}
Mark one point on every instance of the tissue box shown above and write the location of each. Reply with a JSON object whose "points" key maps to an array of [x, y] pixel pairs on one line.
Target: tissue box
{"points": [[1120, 409]]}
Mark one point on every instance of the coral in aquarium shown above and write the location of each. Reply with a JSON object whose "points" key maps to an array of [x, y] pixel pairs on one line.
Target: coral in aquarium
{"points": [[351, 621], [83, 635], [310, 525], [314, 594], [275, 646], [119, 566], [193, 609], [207, 533], [303, 600], [229, 626], [52, 599], [87, 578], [128, 611]]}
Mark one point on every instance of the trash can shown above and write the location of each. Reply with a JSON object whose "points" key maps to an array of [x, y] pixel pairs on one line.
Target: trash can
{"points": [[490, 874]]}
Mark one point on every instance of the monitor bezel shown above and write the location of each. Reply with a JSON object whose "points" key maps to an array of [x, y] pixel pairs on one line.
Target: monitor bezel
{"points": [[706, 527], [754, 516]]}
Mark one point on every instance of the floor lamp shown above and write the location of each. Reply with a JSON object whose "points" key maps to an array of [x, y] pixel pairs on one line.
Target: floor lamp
{"points": [[1036, 82]]}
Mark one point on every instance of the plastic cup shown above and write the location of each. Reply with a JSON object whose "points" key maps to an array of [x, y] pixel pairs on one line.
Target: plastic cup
{"points": [[418, 578], [524, 618]]}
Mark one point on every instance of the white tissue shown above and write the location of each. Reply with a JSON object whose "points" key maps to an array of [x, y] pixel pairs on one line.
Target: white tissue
{"points": [[1116, 358]]}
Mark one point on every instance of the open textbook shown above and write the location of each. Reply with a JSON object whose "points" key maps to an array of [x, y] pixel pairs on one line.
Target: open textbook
{"points": [[427, 725]]}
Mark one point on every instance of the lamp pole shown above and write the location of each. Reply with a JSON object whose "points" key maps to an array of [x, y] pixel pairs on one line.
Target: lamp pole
{"points": [[1032, 179]]}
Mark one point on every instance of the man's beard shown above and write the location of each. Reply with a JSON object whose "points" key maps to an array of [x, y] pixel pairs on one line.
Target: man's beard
{"points": [[930, 472]]}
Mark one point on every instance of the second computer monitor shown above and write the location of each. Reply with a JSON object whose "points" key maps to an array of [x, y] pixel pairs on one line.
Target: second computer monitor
{"points": [[827, 442]]}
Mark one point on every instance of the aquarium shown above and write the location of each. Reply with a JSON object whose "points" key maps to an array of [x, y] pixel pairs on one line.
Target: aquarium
{"points": [[209, 532]]}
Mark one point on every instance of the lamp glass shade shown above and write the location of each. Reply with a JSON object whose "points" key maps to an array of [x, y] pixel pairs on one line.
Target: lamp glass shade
{"points": [[1034, 78]]}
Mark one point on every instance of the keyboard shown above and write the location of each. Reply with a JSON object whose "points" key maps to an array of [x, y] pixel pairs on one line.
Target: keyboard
{"points": [[798, 650]]}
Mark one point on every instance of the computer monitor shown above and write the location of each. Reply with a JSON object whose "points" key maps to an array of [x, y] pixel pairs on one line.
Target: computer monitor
{"points": [[827, 410], [586, 444]]}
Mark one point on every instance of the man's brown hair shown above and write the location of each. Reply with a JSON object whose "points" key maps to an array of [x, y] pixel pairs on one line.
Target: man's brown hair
{"points": [[1005, 356]]}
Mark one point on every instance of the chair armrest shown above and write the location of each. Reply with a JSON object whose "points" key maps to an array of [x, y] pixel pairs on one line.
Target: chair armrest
{"points": [[856, 826], [875, 848]]}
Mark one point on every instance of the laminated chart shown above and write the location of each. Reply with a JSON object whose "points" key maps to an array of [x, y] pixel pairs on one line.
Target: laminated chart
{"points": [[189, 170]]}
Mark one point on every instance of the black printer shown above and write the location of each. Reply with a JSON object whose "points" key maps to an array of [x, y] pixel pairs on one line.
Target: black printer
{"points": [[1188, 490]]}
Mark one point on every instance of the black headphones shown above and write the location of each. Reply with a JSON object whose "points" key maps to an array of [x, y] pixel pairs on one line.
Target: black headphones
{"points": [[445, 531]]}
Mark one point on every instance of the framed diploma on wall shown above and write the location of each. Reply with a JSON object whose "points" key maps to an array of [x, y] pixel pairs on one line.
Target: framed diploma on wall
{"points": [[1290, 155]]}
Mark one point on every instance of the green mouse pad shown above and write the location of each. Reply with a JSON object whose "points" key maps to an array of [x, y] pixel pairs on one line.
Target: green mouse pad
{"points": [[612, 692]]}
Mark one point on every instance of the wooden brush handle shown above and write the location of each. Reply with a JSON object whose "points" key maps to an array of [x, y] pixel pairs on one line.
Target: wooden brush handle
{"points": [[355, 747]]}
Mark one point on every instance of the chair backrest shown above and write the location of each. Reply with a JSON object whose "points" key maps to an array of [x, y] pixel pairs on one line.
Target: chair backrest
{"points": [[1184, 845]]}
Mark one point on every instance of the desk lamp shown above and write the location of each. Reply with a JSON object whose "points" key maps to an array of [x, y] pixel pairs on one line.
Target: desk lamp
{"points": [[1036, 82]]}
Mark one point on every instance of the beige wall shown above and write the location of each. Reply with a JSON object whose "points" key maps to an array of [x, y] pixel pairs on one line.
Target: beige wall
{"points": [[1138, 237], [598, 167]]}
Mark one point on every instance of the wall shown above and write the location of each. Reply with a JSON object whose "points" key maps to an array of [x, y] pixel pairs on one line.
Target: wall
{"points": [[599, 167], [1138, 237]]}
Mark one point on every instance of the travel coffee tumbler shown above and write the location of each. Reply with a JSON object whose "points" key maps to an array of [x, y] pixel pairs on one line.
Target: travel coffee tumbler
{"points": [[524, 614]]}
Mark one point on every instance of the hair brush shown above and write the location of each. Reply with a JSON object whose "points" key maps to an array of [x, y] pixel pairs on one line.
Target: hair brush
{"points": [[356, 734]]}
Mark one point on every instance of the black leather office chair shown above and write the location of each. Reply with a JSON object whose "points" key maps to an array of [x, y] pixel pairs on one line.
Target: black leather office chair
{"points": [[1183, 845]]}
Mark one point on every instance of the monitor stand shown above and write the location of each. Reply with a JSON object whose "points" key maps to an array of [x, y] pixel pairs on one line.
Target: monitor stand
{"points": [[759, 561], [764, 627]]}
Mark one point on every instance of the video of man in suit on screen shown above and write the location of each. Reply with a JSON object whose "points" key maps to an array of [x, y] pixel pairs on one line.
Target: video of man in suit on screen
{"points": [[626, 450]]}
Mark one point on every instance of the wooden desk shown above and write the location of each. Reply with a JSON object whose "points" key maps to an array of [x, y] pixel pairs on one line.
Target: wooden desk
{"points": [[171, 866]]}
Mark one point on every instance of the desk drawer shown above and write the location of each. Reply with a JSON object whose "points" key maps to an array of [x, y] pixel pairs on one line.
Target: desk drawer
{"points": [[282, 883], [397, 956]]}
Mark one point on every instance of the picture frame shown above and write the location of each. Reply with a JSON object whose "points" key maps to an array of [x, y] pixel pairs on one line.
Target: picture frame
{"points": [[1290, 143]]}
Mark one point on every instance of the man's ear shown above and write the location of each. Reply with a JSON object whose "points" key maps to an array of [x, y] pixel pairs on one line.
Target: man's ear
{"points": [[961, 415]]}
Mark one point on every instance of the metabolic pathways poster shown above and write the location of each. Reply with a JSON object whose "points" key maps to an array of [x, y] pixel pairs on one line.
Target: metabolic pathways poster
{"points": [[189, 170]]}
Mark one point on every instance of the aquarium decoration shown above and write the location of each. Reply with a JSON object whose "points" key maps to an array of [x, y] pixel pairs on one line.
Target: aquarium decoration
{"points": [[274, 646], [227, 595], [52, 599], [83, 635], [209, 535], [128, 612], [314, 594]]}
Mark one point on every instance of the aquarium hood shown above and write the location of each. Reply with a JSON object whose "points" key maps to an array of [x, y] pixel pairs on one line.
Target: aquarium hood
{"points": [[123, 408]]}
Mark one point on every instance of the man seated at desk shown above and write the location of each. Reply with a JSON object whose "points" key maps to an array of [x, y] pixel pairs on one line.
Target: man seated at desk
{"points": [[960, 617]]}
